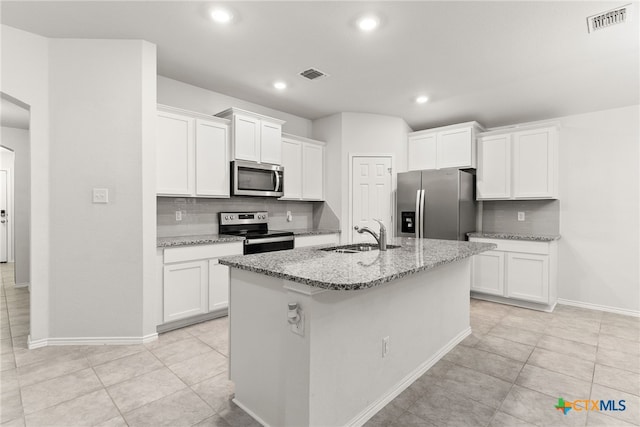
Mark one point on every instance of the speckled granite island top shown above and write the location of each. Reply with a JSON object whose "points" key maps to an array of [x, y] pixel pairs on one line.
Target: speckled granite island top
{"points": [[516, 236], [168, 242], [313, 232], [345, 271]]}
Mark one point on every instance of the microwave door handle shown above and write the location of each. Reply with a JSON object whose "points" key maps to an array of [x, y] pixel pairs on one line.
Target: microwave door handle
{"points": [[277, 180]]}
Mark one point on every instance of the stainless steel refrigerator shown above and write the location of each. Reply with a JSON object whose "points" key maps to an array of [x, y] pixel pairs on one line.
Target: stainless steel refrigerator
{"points": [[436, 204]]}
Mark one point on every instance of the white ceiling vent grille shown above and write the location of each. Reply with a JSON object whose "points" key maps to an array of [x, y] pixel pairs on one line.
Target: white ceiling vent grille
{"points": [[313, 74], [606, 19]]}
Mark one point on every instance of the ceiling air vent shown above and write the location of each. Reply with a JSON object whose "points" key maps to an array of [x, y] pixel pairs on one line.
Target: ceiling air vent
{"points": [[313, 74], [606, 19]]}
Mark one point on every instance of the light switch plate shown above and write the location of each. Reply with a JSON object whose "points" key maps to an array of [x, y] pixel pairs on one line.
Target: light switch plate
{"points": [[100, 195]]}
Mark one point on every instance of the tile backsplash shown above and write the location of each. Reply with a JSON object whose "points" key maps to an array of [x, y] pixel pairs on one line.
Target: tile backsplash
{"points": [[541, 216], [200, 216]]}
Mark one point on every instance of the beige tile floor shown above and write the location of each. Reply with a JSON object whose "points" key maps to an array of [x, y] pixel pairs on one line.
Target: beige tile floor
{"points": [[510, 372]]}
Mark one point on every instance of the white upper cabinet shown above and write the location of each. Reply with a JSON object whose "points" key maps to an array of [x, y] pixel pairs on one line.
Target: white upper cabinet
{"points": [[292, 162], [255, 137], [535, 163], [212, 159], [518, 164], [303, 161], [246, 138], [422, 151], [192, 156], [312, 171], [446, 147], [493, 178], [174, 154]]}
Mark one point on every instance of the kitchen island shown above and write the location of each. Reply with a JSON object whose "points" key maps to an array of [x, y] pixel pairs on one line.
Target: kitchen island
{"points": [[368, 325]]}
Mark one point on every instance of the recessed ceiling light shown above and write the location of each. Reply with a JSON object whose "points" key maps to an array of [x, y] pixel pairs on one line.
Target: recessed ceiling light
{"points": [[221, 16], [422, 99], [368, 23], [280, 85]]}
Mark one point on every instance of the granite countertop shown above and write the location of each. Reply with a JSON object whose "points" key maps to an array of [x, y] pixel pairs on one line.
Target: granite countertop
{"points": [[344, 271], [313, 232], [516, 236], [203, 239]]}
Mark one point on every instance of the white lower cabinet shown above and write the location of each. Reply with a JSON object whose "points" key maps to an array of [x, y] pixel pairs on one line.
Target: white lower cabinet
{"points": [[316, 239], [218, 285], [517, 272], [185, 290], [193, 282], [488, 273]]}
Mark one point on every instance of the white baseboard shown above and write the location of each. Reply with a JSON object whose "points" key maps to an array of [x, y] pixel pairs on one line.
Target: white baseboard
{"points": [[366, 414], [587, 305], [22, 285], [91, 341]]}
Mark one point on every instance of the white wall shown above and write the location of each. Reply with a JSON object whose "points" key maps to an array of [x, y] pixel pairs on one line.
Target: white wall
{"points": [[599, 209], [18, 141], [102, 132], [357, 133], [182, 95], [25, 76]]}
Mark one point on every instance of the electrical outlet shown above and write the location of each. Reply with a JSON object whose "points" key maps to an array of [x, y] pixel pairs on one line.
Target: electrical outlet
{"points": [[100, 195], [520, 216], [178, 215], [385, 347], [289, 216]]}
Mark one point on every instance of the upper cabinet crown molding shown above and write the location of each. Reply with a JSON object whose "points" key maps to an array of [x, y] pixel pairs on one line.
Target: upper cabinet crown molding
{"points": [[255, 137], [193, 114], [233, 110], [444, 147]]}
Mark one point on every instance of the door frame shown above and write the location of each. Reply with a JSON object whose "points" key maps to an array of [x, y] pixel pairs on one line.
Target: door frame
{"points": [[392, 202], [9, 170]]}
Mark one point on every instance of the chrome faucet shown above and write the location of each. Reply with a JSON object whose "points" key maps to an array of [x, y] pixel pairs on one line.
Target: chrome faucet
{"points": [[381, 239]]}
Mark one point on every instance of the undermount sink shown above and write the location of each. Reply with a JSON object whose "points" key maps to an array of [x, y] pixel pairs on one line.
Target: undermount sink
{"points": [[354, 248]]}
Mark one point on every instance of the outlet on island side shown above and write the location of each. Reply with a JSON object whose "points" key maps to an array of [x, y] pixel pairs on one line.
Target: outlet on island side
{"points": [[520, 216], [385, 347]]}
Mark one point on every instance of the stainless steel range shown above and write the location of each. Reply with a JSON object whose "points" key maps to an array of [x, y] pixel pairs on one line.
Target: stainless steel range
{"points": [[253, 227]]}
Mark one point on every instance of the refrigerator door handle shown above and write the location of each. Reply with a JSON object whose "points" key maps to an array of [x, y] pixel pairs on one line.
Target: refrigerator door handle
{"points": [[417, 214], [422, 213]]}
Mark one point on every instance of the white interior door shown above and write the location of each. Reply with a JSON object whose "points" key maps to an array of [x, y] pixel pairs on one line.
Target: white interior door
{"points": [[4, 216], [371, 195]]}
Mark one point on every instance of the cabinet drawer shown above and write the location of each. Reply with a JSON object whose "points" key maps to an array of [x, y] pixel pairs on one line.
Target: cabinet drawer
{"points": [[541, 248], [196, 252]]}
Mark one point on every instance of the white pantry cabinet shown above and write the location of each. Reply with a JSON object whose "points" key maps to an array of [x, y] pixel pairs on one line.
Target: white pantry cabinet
{"points": [[316, 239], [517, 272], [194, 282], [518, 164], [255, 137], [303, 161], [445, 147], [192, 155]]}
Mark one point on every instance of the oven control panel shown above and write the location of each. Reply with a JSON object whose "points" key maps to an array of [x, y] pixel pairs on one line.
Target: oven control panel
{"points": [[239, 218]]}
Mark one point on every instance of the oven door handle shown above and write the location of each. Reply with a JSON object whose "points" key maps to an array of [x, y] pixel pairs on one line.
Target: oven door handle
{"points": [[268, 240]]}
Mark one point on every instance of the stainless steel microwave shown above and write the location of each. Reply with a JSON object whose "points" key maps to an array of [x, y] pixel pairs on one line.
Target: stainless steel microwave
{"points": [[256, 179]]}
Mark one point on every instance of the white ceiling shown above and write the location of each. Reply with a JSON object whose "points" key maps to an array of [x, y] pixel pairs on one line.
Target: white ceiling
{"points": [[496, 62]]}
